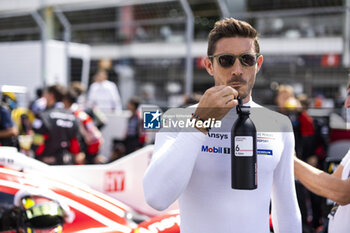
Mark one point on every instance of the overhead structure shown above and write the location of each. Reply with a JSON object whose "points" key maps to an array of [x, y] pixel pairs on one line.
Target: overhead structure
{"points": [[189, 42], [42, 26], [225, 13], [67, 38], [188, 21]]}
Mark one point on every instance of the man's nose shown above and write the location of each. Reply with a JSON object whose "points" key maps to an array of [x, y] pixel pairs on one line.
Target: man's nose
{"points": [[236, 69]]}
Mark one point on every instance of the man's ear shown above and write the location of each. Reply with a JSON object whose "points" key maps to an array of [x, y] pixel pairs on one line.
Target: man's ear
{"points": [[208, 64], [259, 63]]}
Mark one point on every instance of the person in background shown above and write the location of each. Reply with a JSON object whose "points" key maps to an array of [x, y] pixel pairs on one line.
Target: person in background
{"points": [[39, 104], [80, 90], [10, 99], [91, 137], [59, 129], [306, 127], [8, 130], [284, 92], [103, 93], [39, 210], [307, 149], [290, 106], [94, 112], [132, 140], [335, 186], [23, 118]]}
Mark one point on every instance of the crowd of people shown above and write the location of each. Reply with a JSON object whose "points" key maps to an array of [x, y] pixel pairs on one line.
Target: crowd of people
{"points": [[313, 136], [310, 146], [63, 124]]}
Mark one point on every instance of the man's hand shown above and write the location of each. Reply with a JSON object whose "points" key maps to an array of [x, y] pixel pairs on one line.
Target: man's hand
{"points": [[216, 102]]}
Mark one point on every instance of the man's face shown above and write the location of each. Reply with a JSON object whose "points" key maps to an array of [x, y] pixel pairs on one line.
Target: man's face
{"points": [[50, 99], [282, 98], [239, 77], [100, 76]]}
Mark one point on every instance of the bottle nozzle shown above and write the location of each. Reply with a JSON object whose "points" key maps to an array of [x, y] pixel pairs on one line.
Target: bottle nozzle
{"points": [[240, 108], [240, 103]]}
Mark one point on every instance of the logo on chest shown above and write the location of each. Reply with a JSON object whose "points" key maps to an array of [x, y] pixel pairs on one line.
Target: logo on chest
{"points": [[265, 138], [220, 136], [264, 152], [264, 143], [215, 149]]}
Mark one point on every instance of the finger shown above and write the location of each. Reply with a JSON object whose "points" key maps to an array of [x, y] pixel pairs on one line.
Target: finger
{"points": [[229, 91], [218, 88], [213, 90], [227, 99], [232, 103], [232, 95]]}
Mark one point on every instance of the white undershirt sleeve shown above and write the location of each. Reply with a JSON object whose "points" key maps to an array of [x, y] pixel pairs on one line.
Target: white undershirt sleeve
{"points": [[286, 216], [171, 167]]}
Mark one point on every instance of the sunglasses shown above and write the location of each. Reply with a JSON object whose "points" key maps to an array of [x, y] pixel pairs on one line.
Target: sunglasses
{"points": [[227, 60]]}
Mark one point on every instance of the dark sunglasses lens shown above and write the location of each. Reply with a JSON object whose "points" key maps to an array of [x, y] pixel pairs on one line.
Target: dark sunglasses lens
{"points": [[247, 59], [226, 60]]}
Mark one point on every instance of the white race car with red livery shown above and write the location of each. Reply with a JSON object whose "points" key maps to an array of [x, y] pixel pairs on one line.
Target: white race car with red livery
{"points": [[26, 182]]}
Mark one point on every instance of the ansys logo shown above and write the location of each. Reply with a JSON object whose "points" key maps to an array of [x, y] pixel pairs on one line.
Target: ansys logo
{"points": [[151, 119]]}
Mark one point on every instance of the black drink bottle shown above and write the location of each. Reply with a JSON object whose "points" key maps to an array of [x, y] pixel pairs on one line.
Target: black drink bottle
{"points": [[243, 150]]}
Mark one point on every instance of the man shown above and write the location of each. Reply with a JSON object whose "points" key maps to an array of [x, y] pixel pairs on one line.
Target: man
{"points": [[90, 137], [8, 130], [183, 168], [104, 94], [334, 186], [132, 140], [59, 129]]}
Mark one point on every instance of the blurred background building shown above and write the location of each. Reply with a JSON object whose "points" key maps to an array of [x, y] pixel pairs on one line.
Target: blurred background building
{"points": [[154, 48]]}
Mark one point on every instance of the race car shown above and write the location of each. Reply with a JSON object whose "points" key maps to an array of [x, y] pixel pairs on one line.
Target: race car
{"points": [[68, 206]]}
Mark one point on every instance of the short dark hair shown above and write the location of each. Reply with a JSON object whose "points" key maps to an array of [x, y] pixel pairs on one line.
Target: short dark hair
{"points": [[71, 95], [135, 101], [57, 90], [230, 27], [39, 92]]}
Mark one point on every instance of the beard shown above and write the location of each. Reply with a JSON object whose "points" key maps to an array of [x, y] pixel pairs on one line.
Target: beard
{"points": [[243, 86]]}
